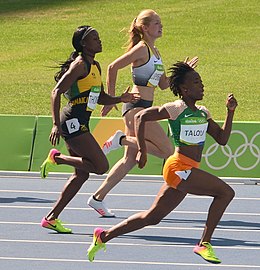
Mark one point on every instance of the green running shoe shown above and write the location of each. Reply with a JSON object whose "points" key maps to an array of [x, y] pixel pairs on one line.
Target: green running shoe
{"points": [[96, 245], [206, 251], [54, 225], [48, 163]]}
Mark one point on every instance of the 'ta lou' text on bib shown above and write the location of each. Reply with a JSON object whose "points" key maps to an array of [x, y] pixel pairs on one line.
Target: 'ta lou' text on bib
{"points": [[93, 98], [156, 76], [193, 130]]}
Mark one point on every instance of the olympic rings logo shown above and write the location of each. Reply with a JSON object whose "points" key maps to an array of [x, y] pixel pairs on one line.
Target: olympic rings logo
{"points": [[234, 155]]}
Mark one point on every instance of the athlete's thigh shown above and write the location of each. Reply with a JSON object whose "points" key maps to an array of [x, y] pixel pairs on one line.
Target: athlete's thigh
{"points": [[156, 135], [86, 146], [166, 200], [200, 182], [129, 121]]}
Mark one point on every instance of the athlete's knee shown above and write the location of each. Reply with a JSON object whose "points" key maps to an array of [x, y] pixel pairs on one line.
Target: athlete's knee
{"points": [[99, 167], [102, 168], [228, 193]]}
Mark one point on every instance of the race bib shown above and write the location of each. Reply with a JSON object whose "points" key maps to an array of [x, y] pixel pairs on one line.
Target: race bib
{"points": [[93, 98], [193, 130], [73, 125], [156, 76], [183, 174]]}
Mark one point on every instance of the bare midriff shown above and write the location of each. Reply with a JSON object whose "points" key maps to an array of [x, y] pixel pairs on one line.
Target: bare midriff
{"points": [[192, 151], [145, 92]]}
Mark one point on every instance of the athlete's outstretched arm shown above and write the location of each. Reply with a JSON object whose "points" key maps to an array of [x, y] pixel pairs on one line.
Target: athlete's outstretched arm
{"points": [[221, 134]]}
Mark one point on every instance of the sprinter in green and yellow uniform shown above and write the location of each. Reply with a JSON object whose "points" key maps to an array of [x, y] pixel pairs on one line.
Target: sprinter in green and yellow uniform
{"points": [[80, 81]]}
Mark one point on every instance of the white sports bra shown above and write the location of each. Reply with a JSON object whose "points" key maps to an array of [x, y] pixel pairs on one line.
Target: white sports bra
{"points": [[148, 74]]}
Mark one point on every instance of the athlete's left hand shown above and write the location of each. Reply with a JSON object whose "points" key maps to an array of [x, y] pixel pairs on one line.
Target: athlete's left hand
{"points": [[193, 62], [129, 97], [231, 102]]}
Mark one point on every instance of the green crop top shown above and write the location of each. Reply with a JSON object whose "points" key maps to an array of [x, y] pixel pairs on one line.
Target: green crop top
{"points": [[187, 127]]}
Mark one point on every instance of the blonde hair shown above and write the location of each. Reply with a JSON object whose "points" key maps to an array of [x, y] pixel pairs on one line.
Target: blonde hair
{"points": [[135, 31]]}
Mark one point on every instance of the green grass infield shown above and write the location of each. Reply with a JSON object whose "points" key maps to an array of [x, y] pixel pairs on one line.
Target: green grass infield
{"points": [[224, 34]]}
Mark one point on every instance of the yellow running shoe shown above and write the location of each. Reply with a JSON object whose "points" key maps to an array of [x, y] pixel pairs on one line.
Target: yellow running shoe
{"points": [[96, 245], [206, 251], [48, 163], [55, 225]]}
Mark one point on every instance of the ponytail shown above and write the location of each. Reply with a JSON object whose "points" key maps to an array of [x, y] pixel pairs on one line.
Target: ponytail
{"points": [[65, 66], [135, 35]]}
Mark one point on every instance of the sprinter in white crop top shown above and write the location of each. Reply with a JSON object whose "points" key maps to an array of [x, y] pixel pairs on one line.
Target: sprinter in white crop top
{"points": [[148, 73]]}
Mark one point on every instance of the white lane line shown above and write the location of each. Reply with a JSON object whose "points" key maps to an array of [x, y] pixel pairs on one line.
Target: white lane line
{"points": [[115, 194], [130, 262], [148, 227], [123, 210], [54, 179], [121, 244]]}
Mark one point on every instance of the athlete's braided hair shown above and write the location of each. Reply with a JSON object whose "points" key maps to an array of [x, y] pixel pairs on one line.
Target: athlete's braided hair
{"points": [[77, 44], [178, 73]]}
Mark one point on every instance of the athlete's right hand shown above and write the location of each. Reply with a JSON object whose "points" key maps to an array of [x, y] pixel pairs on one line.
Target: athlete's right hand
{"points": [[107, 108], [141, 159], [55, 135]]}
